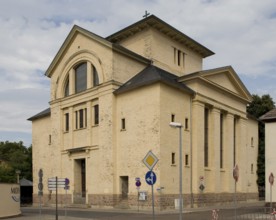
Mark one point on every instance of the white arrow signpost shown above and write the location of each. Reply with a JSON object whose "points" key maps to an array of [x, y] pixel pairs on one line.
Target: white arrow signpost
{"points": [[150, 161], [53, 184]]}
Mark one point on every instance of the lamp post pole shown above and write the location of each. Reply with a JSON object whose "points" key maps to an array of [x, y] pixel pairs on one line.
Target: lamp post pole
{"points": [[18, 172], [179, 125]]}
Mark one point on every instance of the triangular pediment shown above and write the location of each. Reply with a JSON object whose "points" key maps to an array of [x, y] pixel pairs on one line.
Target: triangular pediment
{"points": [[72, 36], [224, 79], [75, 31]]}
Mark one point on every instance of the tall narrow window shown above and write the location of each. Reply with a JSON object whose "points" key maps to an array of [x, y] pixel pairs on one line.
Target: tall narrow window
{"points": [[77, 120], [206, 139], [186, 123], [172, 118], [81, 77], [178, 57], [186, 160], [95, 77], [50, 139], [173, 158], [123, 124], [67, 122], [234, 141], [221, 140], [96, 114], [81, 116]]}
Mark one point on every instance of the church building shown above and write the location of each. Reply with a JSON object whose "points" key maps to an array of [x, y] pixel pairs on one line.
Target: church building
{"points": [[112, 101]]}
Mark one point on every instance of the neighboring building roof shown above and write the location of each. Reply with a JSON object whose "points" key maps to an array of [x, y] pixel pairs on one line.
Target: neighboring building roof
{"points": [[42, 114], [155, 22], [152, 74], [25, 182], [269, 116]]}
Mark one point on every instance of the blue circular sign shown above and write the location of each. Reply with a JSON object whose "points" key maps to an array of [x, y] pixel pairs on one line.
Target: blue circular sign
{"points": [[138, 183], [150, 178]]}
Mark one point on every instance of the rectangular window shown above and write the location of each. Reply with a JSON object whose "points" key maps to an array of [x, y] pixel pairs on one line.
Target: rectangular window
{"points": [[206, 139], [186, 123], [179, 57], [186, 160], [66, 122], [123, 124], [77, 120], [221, 140], [252, 142], [172, 118], [81, 118], [50, 139], [173, 158], [96, 114]]}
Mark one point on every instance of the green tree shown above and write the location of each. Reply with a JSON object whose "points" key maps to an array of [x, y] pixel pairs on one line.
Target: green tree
{"points": [[16, 157], [258, 107]]}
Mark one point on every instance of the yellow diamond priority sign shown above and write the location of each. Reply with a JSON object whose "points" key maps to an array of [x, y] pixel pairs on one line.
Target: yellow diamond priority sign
{"points": [[150, 160]]}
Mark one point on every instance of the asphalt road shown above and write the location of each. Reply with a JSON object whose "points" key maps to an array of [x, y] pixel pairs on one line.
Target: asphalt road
{"points": [[29, 213]]}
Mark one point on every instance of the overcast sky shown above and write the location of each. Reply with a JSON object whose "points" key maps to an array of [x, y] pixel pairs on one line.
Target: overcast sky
{"points": [[242, 33]]}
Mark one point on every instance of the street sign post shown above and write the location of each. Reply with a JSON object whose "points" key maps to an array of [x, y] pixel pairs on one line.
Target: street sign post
{"points": [[236, 178], [150, 161], [40, 188], [53, 184], [271, 181]]}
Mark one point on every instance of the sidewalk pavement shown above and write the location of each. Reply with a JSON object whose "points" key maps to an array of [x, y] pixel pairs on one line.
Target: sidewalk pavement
{"points": [[37, 216]]}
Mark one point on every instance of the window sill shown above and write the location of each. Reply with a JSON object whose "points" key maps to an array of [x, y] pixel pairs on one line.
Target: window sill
{"points": [[94, 126], [173, 165]]}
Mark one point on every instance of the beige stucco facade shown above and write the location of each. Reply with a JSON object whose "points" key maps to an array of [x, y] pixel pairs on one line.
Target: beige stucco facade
{"points": [[149, 74], [10, 200], [269, 119]]}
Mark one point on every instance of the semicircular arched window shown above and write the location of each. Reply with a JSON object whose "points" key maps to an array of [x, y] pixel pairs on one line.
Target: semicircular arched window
{"points": [[81, 77]]}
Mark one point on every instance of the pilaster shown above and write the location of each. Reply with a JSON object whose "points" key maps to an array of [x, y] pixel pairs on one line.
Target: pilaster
{"points": [[198, 143], [229, 149], [213, 180]]}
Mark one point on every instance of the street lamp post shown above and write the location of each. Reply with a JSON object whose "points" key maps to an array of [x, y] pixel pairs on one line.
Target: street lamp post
{"points": [[18, 172], [179, 125]]}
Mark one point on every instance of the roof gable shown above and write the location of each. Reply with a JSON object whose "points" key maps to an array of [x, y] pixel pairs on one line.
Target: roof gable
{"points": [[74, 31], [78, 30], [152, 74], [224, 78], [154, 22]]}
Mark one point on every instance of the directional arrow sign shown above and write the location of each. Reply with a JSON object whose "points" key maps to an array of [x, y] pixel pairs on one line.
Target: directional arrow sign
{"points": [[150, 178], [53, 183]]}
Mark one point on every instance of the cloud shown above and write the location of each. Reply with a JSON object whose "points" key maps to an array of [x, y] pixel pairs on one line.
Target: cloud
{"points": [[241, 33]]}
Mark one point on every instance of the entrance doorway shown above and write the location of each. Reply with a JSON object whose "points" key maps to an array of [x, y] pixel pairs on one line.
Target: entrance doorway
{"points": [[80, 181], [124, 186]]}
